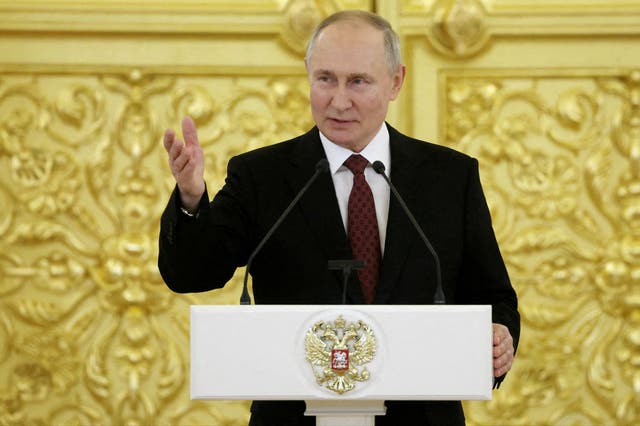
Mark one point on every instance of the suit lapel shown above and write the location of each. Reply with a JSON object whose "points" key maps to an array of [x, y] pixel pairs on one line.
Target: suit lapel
{"points": [[319, 205], [397, 245]]}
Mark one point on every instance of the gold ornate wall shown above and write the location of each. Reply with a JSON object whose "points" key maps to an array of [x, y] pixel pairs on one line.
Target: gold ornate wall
{"points": [[545, 93]]}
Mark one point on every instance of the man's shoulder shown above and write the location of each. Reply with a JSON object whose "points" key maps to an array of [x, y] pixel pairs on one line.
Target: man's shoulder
{"points": [[420, 149], [279, 151]]}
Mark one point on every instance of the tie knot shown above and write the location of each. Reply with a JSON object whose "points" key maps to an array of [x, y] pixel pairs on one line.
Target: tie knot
{"points": [[356, 163]]}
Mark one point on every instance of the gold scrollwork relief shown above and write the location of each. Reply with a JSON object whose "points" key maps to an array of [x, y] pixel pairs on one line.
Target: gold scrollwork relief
{"points": [[559, 159], [89, 334]]}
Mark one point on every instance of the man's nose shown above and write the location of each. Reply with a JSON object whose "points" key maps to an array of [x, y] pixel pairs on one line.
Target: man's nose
{"points": [[341, 99]]}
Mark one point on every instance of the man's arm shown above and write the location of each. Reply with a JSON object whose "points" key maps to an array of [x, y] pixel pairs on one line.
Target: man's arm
{"points": [[198, 244], [485, 278]]}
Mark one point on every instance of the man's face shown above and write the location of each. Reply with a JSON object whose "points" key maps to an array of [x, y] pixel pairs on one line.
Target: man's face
{"points": [[351, 85]]}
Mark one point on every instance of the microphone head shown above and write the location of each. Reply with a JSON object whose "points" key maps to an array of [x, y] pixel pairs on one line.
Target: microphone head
{"points": [[378, 167], [323, 165]]}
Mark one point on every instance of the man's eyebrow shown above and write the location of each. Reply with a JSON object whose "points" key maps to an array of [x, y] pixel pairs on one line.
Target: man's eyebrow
{"points": [[364, 75], [351, 76], [323, 72]]}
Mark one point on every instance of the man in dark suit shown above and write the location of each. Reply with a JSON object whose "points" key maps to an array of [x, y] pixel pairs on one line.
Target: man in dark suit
{"points": [[355, 70]]}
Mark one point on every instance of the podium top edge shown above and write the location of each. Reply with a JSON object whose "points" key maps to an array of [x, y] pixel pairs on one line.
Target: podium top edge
{"points": [[361, 308]]}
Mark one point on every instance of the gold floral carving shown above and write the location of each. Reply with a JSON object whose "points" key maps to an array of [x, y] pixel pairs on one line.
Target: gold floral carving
{"points": [[559, 156], [89, 334], [458, 27], [300, 18]]}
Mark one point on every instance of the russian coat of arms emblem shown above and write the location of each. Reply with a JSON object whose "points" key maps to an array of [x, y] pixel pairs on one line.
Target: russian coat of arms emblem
{"points": [[338, 352]]}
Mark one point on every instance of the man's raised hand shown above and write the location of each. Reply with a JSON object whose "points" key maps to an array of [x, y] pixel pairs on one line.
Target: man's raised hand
{"points": [[187, 163]]}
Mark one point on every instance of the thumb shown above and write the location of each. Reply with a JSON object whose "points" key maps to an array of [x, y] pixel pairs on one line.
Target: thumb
{"points": [[189, 131]]}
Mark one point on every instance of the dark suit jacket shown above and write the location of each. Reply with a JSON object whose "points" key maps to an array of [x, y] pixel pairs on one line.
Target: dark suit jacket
{"points": [[439, 185]]}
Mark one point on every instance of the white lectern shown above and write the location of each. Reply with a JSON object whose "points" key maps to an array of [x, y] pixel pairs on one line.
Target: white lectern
{"points": [[343, 360]]}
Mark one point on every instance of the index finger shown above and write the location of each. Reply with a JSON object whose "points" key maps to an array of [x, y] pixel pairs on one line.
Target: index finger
{"points": [[189, 131], [500, 332]]}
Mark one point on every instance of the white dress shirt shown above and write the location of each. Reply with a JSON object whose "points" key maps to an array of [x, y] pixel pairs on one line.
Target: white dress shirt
{"points": [[377, 150]]}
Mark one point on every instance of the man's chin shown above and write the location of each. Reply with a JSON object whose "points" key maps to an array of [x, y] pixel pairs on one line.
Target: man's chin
{"points": [[344, 139]]}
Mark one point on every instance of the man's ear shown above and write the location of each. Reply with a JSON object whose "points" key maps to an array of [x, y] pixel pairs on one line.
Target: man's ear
{"points": [[397, 81]]}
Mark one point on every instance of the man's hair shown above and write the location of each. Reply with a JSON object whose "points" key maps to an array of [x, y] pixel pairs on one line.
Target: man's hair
{"points": [[392, 53]]}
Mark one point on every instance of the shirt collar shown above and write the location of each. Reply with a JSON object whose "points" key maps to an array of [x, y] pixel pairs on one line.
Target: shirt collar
{"points": [[376, 150]]}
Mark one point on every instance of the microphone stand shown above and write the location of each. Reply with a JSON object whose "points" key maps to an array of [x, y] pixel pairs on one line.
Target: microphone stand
{"points": [[438, 297], [347, 266]]}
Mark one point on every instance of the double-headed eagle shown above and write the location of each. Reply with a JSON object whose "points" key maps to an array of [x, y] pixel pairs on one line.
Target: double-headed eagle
{"points": [[335, 350]]}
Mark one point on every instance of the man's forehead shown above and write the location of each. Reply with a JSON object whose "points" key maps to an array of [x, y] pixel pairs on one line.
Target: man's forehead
{"points": [[350, 25], [348, 44]]}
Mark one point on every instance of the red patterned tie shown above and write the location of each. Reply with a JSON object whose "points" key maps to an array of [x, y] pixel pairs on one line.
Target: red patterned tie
{"points": [[362, 227]]}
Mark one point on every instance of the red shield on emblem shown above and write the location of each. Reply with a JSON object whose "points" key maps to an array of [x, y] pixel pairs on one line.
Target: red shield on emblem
{"points": [[340, 359]]}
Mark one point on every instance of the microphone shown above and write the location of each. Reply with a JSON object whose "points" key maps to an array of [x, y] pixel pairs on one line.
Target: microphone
{"points": [[438, 297], [321, 167]]}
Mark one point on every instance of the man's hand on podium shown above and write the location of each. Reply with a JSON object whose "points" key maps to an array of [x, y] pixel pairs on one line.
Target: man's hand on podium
{"points": [[502, 350]]}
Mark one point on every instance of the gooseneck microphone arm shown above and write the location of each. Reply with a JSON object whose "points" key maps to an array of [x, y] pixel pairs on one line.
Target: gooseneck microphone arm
{"points": [[438, 297], [321, 167]]}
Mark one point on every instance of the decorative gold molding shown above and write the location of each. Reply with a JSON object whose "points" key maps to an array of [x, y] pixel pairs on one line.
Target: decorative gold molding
{"points": [[301, 17], [462, 29], [559, 158], [458, 27], [88, 332], [171, 17], [533, 7], [562, 7]]}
